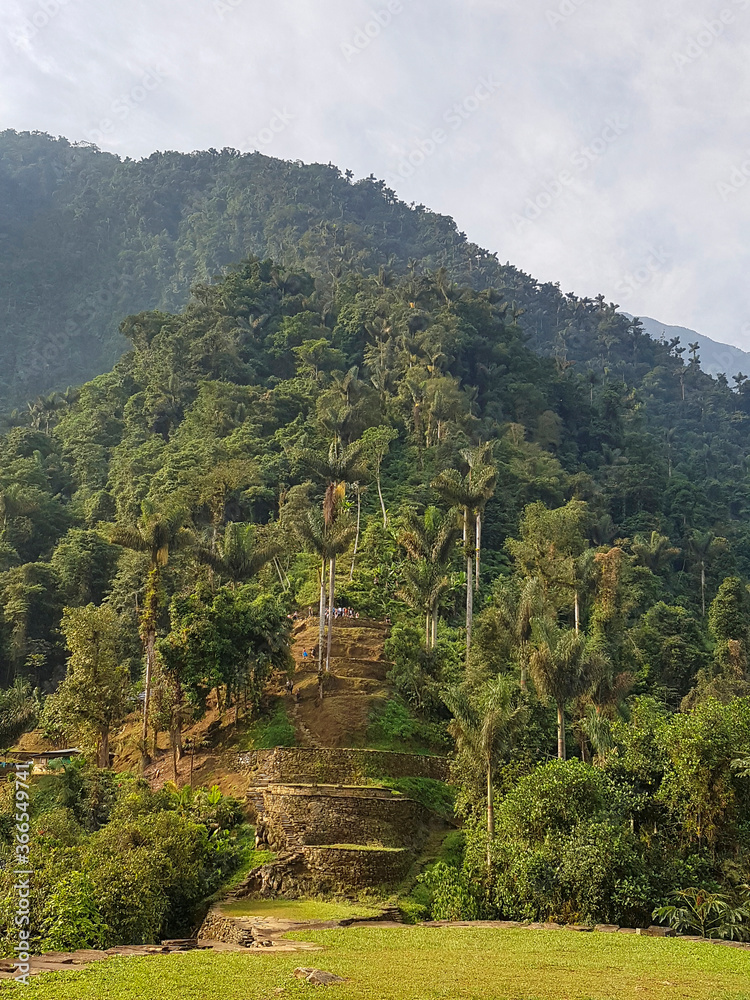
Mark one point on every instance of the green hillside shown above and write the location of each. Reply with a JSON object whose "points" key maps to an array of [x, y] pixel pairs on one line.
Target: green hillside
{"points": [[546, 510]]}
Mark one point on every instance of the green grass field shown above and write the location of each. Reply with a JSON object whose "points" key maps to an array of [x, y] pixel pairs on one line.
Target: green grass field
{"points": [[297, 909], [418, 963]]}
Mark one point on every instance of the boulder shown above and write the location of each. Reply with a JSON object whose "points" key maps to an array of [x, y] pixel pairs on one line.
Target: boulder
{"points": [[317, 977]]}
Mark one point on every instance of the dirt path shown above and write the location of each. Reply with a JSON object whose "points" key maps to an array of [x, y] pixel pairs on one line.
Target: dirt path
{"points": [[355, 685]]}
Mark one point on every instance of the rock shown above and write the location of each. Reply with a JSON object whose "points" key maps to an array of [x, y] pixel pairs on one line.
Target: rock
{"points": [[627, 930], [655, 931], [578, 927], [317, 977], [607, 928]]}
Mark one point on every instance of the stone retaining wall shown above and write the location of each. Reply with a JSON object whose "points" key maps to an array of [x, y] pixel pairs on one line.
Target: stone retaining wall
{"points": [[296, 816], [307, 765], [217, 927], [352, 869]]}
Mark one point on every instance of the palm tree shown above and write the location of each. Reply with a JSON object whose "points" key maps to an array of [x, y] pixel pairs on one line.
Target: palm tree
{"points": [[483, 727], [655, 552], [561, 666], [483, 476], [470, 493], [334, 470], [515, 612], [702, 545], [359, 489], [240, 556], [156, 534], [328, 538], [428, 541], [601, 704], [376, 441]]}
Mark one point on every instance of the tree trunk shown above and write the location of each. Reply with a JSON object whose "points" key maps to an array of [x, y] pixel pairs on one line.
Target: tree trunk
{"points": [[428, 630], [356, 537], [331, 598], [382, 502], [173, 742], [434, 624], [150, 613], [577, 612], [478, 549], [703, 588], [322, 614], [490, 816], [104, 748], [469, 581], [561, 754], [469, 603], [150, 656]]}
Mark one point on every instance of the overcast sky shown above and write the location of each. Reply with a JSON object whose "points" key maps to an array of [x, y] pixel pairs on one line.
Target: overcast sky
{"points": [[603, 144]]}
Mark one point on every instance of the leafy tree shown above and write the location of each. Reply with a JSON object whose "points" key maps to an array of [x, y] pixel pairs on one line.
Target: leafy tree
{"points": [[95, 695], [376, 442]]}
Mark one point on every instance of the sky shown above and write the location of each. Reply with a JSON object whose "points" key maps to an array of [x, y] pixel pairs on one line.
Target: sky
{"points": [[601, 144]]}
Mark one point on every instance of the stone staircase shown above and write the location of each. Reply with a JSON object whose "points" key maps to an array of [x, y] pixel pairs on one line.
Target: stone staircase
{"points": [[319, 806]]}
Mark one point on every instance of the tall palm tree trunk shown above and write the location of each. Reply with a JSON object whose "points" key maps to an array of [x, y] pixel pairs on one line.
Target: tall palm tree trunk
{"points": [[561, 753], [150, 657], [322, 617], [469, 550], [703, 588], [331, 597], [356, 537], [577, 605], [151, 611], [428, 631], [382, 502], [434, 624], [478, 549], [490, 816], [469, 603]]}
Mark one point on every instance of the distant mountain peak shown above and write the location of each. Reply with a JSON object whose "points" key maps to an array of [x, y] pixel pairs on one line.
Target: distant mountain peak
{"points": [[715, 358]]}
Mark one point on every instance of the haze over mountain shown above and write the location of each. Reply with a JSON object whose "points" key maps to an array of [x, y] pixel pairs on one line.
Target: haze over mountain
{"points": [[715, 358], [88, 238]]}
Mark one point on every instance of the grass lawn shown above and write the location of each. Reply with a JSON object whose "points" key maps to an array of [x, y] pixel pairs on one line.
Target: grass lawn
{"points": [[297, 909], [419, 963]]}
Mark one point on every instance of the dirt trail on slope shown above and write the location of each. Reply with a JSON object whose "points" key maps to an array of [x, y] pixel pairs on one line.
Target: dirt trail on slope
{"points": [[355, 685]]}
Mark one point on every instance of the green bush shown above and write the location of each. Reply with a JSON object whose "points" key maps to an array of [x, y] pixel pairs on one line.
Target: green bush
{"points": [[142, 873], [453, 895]]}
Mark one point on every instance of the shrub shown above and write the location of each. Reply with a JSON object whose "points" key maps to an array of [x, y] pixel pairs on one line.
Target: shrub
{"points": [[453, 896]]}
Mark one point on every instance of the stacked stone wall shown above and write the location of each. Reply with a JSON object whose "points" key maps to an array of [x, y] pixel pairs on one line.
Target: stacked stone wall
{"points": [[308, 765], [297, 816], [336, 868]]}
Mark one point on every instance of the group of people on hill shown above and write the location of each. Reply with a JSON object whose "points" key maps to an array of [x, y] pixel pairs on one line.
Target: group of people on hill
{"points": [[342, 613]]}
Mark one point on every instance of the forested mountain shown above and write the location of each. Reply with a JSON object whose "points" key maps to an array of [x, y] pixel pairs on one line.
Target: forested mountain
{"points": [[549, 506], [213, 410], [87, 238]]}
